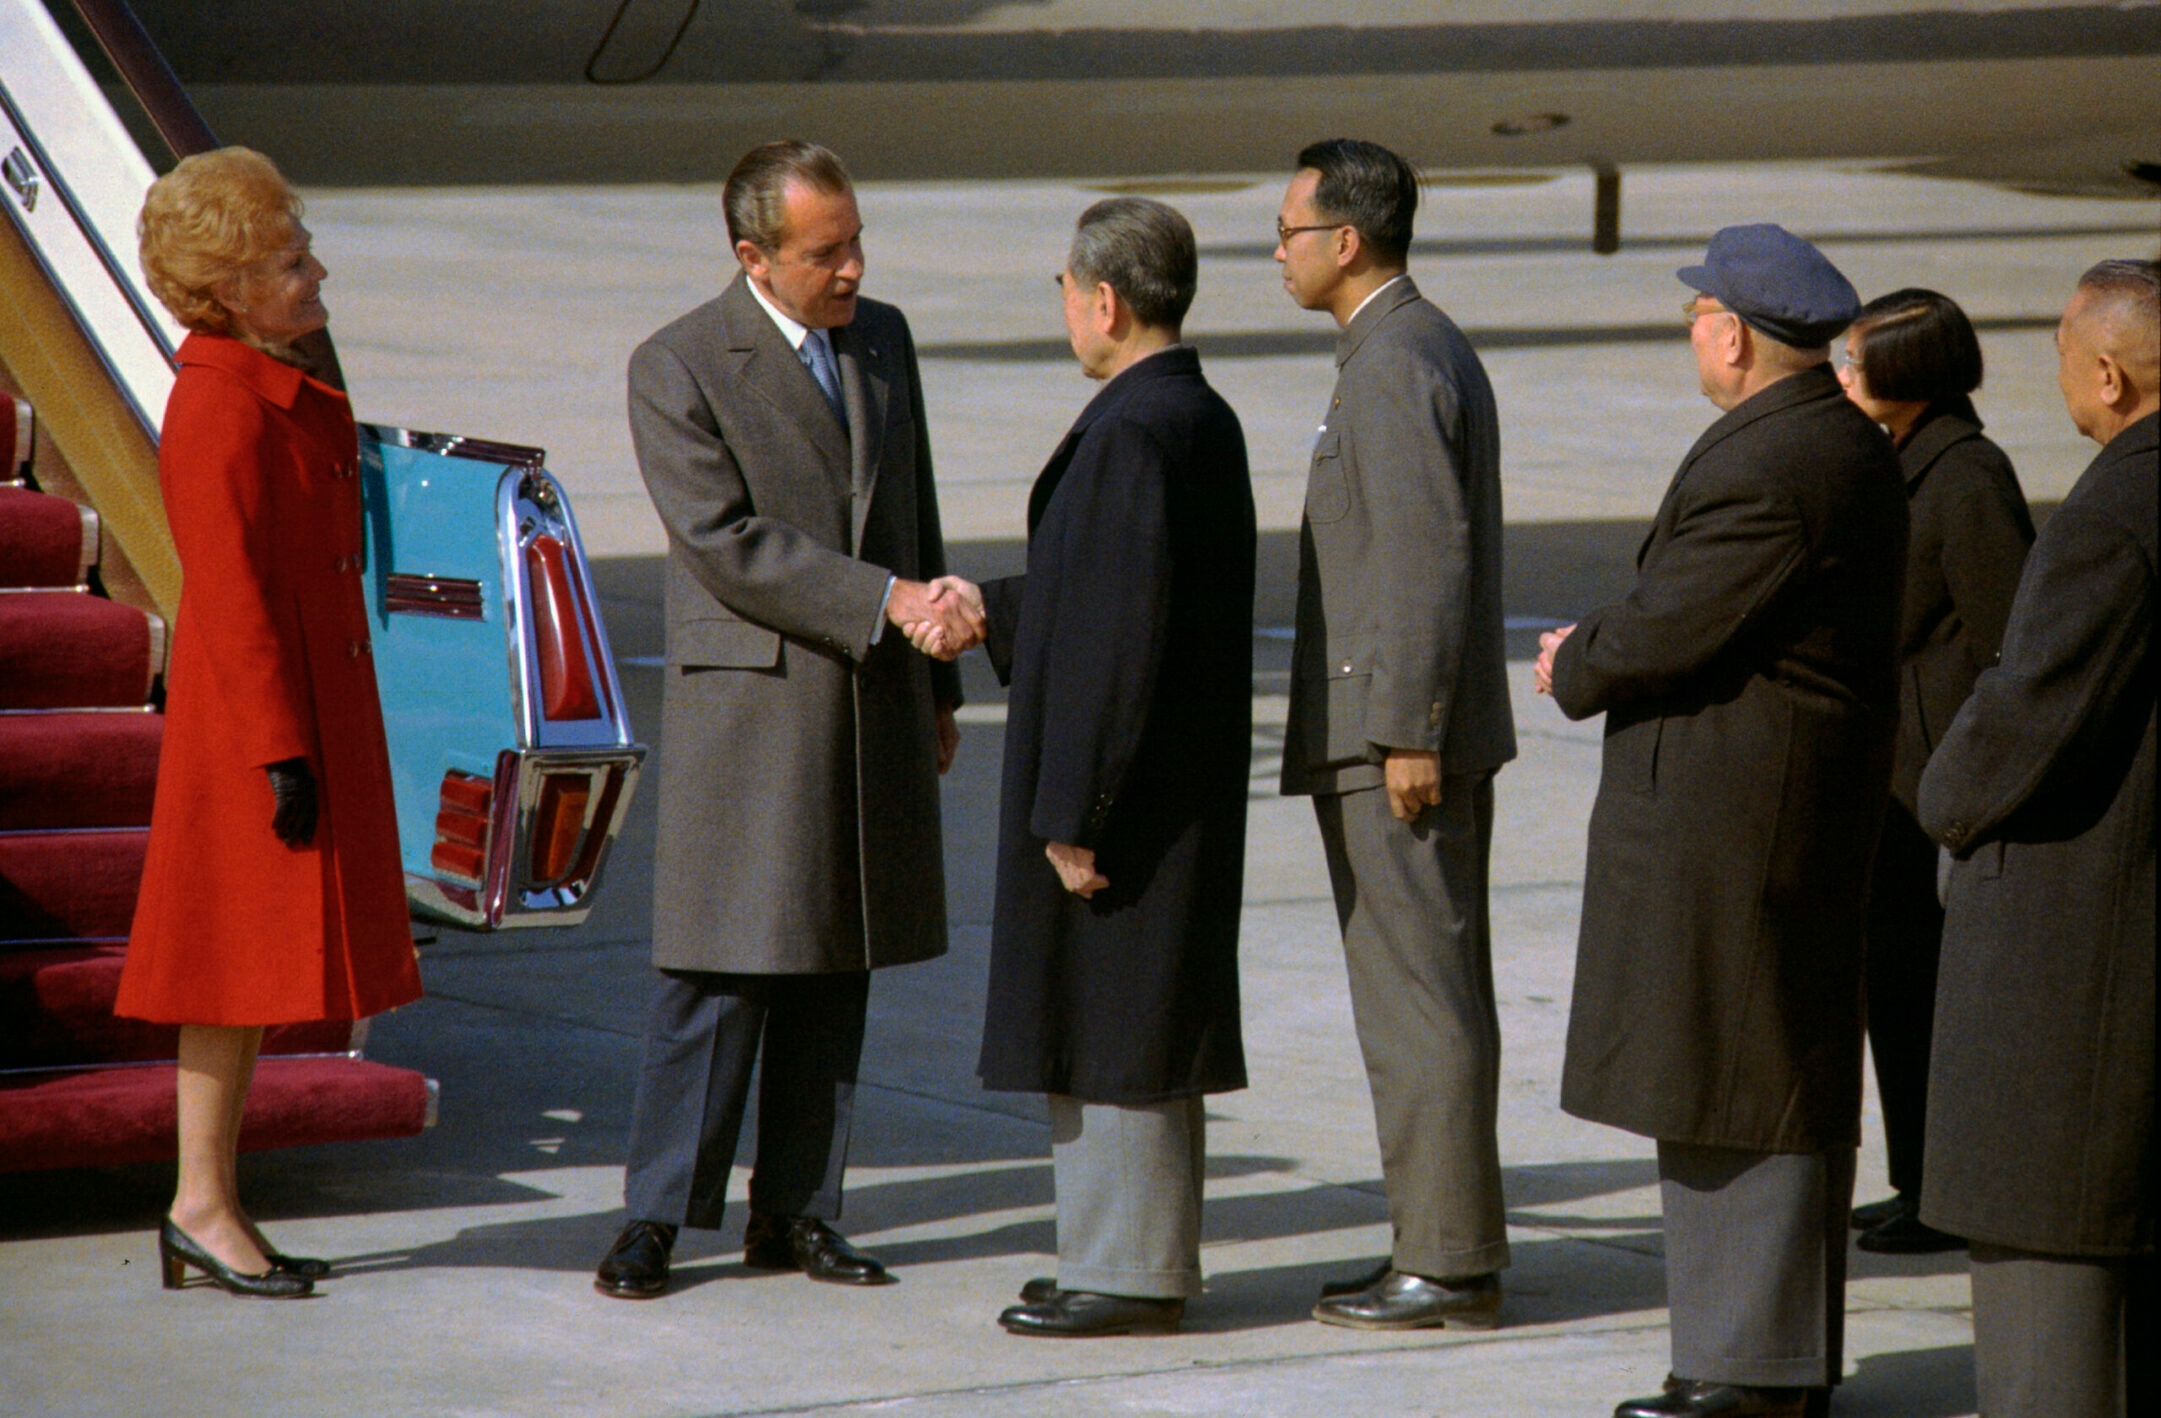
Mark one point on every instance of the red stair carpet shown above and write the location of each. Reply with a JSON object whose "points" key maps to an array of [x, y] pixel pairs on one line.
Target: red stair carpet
{"points": [[79, 737]]}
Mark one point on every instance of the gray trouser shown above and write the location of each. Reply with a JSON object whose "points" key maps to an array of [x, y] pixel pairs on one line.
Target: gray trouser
{"points": [[2048, 1334], [1411, 899], [1128, 1179], [1756, 1263]]}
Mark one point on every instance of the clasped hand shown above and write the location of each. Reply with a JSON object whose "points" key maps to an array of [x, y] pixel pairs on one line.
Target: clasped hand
{"points": [[942, 618], [1549, 645]]}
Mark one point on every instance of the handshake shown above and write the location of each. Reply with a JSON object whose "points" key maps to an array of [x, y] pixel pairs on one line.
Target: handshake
{"points": [[942, 618]]}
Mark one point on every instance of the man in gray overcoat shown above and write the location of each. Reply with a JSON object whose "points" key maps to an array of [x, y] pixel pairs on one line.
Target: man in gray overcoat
{"points": [[2041, 1087], [781, 434], [1399, 719], [1748, 683]]}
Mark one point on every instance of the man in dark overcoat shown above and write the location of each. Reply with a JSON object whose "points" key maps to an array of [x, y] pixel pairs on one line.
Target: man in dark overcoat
{"points": [[1121, 839], [2041, 1089], [1747, 682], [1399, 719], [781, 434]]}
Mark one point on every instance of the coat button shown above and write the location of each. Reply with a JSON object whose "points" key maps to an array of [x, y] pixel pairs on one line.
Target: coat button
{"points": [[1346, 667], [352, 649]]}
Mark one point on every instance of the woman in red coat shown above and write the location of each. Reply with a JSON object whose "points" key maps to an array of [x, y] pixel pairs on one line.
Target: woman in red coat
{"points": [[272, 892]]}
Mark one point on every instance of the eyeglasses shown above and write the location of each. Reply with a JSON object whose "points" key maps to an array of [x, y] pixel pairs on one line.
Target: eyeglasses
{"points": [[1285, 233], [1693, 309]]}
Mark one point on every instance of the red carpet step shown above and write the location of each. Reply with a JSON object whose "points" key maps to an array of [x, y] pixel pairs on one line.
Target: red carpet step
{"points": [[56, 1011], [78, 770], [113, 1116], [45, 540], [69, 650], [62, 885]]}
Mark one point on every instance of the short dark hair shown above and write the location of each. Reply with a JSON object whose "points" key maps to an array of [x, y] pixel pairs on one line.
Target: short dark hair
{"points": [[1366, 186], [755, 199], [1917, 345], [1144, 250]]}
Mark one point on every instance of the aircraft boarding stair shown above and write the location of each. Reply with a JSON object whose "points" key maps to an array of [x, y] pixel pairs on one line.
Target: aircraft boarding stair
{"points": [[82, 645]]}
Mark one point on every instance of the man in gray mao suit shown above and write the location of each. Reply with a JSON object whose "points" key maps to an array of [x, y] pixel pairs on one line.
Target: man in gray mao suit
{"points": [[780, 431], [1399, 718]]}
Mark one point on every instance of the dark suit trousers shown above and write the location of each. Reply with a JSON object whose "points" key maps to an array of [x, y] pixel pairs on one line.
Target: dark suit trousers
{"points": [[1905, 942], [705, 1034], [1756, 1263], [1411, 899]]}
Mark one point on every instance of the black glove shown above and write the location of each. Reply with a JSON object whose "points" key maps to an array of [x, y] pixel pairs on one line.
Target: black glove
{"points": [[294, 788]]}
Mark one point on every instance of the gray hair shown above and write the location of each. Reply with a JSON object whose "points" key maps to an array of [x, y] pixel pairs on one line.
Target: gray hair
{"points": [[755, 200], [2126, 309], [1144, 250]]}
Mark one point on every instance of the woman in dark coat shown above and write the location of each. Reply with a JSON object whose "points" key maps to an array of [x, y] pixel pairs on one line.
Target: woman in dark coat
{"points": [[272, 891], [1121, 843], [1911, 363]]}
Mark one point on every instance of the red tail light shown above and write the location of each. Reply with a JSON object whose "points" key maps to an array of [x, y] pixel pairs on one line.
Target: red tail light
{"points": [[558, 824], [461, 825], [569, 676]]}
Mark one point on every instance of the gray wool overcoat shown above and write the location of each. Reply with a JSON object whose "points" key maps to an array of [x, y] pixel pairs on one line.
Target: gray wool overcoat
{"points": [[799, 827], [2041, 1083], [1750, 694]]}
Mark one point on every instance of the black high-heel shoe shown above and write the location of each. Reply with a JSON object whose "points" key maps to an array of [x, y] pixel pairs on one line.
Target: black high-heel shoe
{"points": [[307, 1267], [177, 1250]]}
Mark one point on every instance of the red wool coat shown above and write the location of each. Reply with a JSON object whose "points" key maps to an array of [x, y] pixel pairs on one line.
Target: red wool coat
{"points": [[270, 661]]}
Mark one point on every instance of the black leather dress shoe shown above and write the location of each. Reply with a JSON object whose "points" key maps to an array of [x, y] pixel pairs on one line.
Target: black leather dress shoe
{"points": [[636, 1266], [1694, 1398], [1869, 1217], [1083, 1314], [1040, 1289], [1404, 1301], [807, 1244], [1332, 1288], [1906, 1234]]}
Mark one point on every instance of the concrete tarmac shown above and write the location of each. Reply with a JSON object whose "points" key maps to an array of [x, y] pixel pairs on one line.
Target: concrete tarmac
{"points": [[465, 1255]]}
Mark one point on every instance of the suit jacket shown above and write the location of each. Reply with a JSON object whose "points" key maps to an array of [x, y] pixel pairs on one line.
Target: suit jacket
{"points": [[1399, 568], [798, 767], [1129, 646], [2041, 1079], [1970, 531], [1749, 688], [270, 662]]}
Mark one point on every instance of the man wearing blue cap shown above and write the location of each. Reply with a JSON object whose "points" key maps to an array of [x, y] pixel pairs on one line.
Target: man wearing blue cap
{"points": [[1748, 683]]}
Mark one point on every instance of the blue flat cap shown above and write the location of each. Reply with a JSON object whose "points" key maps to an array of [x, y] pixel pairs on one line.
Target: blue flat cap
{"points": [[1776, 282]]}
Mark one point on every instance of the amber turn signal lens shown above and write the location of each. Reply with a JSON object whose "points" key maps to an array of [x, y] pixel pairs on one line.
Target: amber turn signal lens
{"points": [[558, 824]]}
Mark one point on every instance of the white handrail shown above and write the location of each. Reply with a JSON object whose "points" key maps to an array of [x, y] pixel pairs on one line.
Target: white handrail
{"points": [[75, 185]]}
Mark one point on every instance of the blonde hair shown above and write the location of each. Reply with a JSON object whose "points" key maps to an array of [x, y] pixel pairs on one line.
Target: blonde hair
{"points": [[209, 220]]}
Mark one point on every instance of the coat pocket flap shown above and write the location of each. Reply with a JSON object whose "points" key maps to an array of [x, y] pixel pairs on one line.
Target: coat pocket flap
{"points": [[728, 644]]}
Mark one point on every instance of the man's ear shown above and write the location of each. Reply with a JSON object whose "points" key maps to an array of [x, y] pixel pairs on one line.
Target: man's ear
{"points": [[1737, 342], [1107, 308], [2114, 387], [752, 258], [1349, 242]]}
